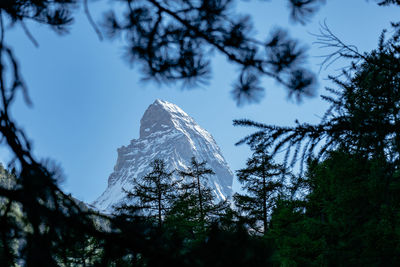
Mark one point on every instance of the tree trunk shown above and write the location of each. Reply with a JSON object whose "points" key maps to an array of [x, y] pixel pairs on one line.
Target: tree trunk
{"points": [[264, 198], [159, 211], [200, 200]]}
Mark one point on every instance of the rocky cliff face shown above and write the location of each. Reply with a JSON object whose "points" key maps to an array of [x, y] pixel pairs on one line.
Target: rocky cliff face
{"points": [[168, 133]]}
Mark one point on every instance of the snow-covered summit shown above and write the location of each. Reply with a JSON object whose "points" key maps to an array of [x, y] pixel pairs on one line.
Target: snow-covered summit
{"points": [[166, 132], [160, 115]]}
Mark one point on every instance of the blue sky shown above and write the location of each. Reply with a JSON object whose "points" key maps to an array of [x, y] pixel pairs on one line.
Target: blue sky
{"points": [[88, 101]]}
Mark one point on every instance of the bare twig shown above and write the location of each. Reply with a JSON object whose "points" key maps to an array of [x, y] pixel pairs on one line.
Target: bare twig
{"points": [[29, 34], [327, 39], [91, 21], [2, 85]]}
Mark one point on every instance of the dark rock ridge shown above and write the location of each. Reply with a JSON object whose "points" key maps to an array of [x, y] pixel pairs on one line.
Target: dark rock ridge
{"points": [[168, 133]]}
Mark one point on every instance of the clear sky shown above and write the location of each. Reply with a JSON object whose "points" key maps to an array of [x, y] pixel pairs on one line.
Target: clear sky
{"points": [[88, 101]]}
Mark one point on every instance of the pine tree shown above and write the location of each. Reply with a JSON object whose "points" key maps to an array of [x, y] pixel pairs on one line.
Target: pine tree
{"points": [[262, 182], [154, 191], [195, 194], [364, 112], [349, 216]]}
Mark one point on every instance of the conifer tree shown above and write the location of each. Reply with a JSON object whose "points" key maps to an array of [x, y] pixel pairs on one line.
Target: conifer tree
{"points": [[154, 192], [364, 113], [349, 216], [262, 182], [196, 195]]}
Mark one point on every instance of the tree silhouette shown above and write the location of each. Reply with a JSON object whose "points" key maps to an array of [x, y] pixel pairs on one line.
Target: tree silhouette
{"points": [[349, 211], [198, 172], [196, 192], [154, 192], [348, 216], [363, 116], [173, 41], [262, 183]]}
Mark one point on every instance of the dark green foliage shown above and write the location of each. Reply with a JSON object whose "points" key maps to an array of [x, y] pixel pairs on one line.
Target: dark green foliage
{"points": [[196, 194], [184, 215], [350, 216], [350, 213], [202, 196], [262, 182], [153, 193], [194, 207], [54, 232], [231, 247], [9, 219], [127, 240]]}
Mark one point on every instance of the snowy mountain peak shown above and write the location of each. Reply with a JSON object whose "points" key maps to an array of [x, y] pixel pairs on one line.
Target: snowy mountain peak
{"points": [[166, 132], [161, 115]]}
